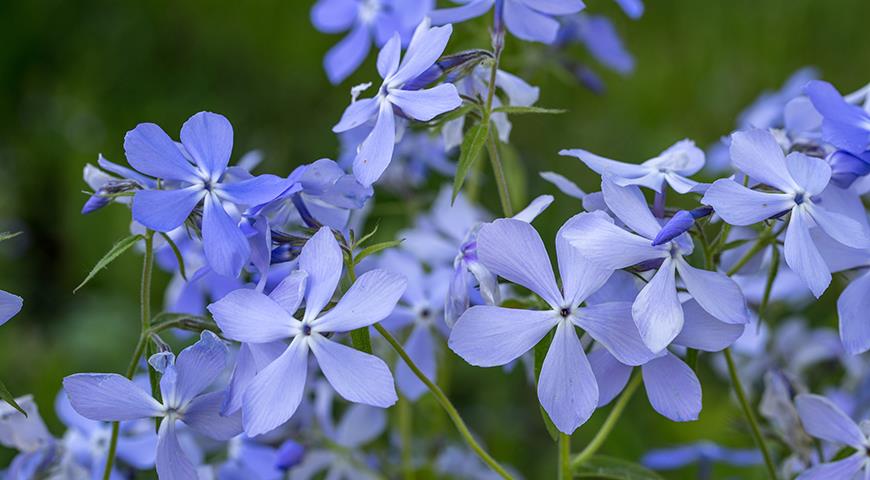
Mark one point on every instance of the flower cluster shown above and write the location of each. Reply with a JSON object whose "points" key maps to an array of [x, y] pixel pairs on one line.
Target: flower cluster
{"points": [[294, 302]]}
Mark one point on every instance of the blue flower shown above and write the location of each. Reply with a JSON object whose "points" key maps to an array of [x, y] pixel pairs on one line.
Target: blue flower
{"points": [[376, 150], [800, 179], [657, 310], [198, 173], [249, 316], [705, 454], [845, 125], [601, 39], [825, 421], [489, 335], [10, 305], [112, 398], [530, 20], [367, 20], [672, 167], [119, 179]]}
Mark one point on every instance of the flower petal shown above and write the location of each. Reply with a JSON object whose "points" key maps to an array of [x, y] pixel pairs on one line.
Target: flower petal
{"points": [[389, 56], [822, 419], [425, 48], [348, 54], [581, 277], [203, 415], [360, 425], [852, 308], [703, 331], [513, 250], [847, 468], [322, 260], [254, 191], [333, 16], [208, 138], [657, 310], [605, 166], [166, 210], [811, 173], [376, 151], [150, 151], [356, 376], [172, 462], [739, 205], [226, 247], [611, 374], [487, 336], [629, 205], [466, 11], [275, 393], [109, 397], [356, 114], [424, 105], [840, 227], [756, 153], [421, 348], [672, 388], [564, 185], [801, 253], [567, 388], [369, 300], [597, 238], [248, 316], [10, 305], [717, 293], [291, 291], [199, 365], [611, 325], [528, 24]]}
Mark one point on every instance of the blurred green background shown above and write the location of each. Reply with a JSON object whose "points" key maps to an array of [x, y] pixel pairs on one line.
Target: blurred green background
{"points": [[75, 76]]}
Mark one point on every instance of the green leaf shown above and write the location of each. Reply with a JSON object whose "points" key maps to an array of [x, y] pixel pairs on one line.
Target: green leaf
{"points": [[692, 358], [7, 397], [8, 235], [373, 249], [513, 110], [601, 466], [361, 339], [367, 236], [110, 257], [454, 114], [178, 258], [472, 144], [540, 354]]}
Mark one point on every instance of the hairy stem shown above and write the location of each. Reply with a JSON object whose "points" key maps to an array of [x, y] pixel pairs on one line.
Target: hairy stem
{"points": [[750, 415], [445, 403], [609, 423], [141, 345]]}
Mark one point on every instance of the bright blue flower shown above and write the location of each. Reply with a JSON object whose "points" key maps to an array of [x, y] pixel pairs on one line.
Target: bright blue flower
{"points": [[367, 21], [112, 398], [248, 459], [657, 310], [679, 224], [290, 454], [672, 167], [376, 150], [196, 172], [852, 308], [825, 421], [847, 167], [530, 20], [601, 39], [251, 317], [705, 454], [800, 179], [845, 125], [768, 110], [119, 179], [489, 335]]}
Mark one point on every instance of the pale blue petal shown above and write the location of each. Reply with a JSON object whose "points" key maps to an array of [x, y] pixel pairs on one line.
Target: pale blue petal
{"points": [[360, 425], [632, 8], [109, 397], [556, 7], [564, 185], [810, 173], [425, 48], [629, 205], [657, 310], [605, 166], [513, 250], [389, 56], [172, 463], [376, 150], [356, 376], [226, 247], [248, 316], [757, 154], [611, 325], [166, 210], [703, 331], [598, 239], [852, 308], [276, 392], [203, 415], [847, 469], [291, 291], [802, 256], [717, 293], [611, 375], [334, 16], [348, 54], [421, 348], [673, 388], [488, 336], [580, 276], [10, 305], [424, 105], [150, 151], [535, 208], [529, 24], [739, 205], [208, 138], [249, 361], [199, 365], [469, 10], [840, 227], [254, 191], [822, 419], [357, 113], [369, 300], [567, 388], [322, 260]]}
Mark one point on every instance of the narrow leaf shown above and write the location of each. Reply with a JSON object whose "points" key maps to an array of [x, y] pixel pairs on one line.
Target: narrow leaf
{"points": [[7, 397], [178, 258], [373, 249], [601, 466], [513, 110], [110, 257], [367, 236], [472, 144], [361, 339], [8, 235]]}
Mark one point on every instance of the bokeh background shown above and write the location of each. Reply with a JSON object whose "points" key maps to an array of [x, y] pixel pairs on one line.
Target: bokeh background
{"points": [[75, 76]]}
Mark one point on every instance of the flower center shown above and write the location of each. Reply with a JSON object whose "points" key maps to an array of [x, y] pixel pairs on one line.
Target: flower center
{"points": [[799, 198], [306, 329], [368, 9], [565, 312]]}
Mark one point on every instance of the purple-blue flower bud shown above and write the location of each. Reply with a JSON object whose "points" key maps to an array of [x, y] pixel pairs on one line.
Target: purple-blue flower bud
{"points": [[847, 167], [680, 223], [289, 455]]}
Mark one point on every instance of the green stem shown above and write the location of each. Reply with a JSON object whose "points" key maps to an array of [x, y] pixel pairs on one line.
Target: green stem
{"points": [[758, 246], [406, 432], [141, 345], [750, 416], [609, 423], [445, 403], [565, 457], [500, 178]]}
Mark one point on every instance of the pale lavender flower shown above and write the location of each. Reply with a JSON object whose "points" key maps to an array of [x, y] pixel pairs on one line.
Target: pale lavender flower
{"points": [[489, 335], [656, 310], [705, 454], [39, 452], [366, 21], [376, 150], [600, 38], [671, 167], [248, 459], [112, 398], [251, 317], [800, 179], [825, 421], [845, 125], [530, 20], [10, 305]]}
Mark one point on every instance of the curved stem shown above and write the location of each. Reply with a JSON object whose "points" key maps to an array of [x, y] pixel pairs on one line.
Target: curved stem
{"points": [[445, 403], [491, 143], [750, 416], [141, 345], [565, 457], [609, 423]]}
